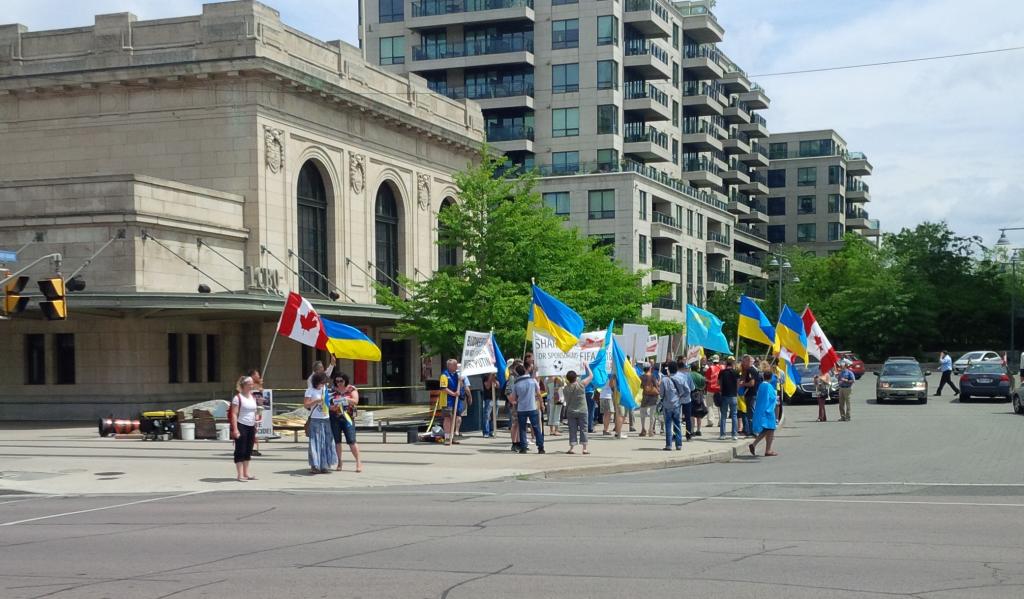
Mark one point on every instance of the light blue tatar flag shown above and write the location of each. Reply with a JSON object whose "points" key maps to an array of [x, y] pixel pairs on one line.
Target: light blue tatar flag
{"points": [[705, 329]]}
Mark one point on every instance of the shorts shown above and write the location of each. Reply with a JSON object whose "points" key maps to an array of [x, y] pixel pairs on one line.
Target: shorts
{"points": [[447, 411], [624, 411], [607, 405], [341, 425]]}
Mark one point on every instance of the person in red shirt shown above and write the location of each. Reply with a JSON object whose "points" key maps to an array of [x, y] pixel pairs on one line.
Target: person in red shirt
{"points": [[714, 388]]}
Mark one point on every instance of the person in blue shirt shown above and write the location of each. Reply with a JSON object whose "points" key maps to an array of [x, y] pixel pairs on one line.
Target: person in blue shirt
{"points": [[450, 383], [591, 406], [846, 380], [946, 368], [763, 417]]}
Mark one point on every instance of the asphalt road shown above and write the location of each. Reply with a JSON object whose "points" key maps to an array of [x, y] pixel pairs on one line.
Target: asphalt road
{"points": [[909, 500]]}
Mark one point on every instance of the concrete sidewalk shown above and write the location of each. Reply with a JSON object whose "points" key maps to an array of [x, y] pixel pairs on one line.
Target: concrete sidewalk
{"points": [[70, 461]]}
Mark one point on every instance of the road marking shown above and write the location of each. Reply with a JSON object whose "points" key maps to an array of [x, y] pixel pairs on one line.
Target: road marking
{"points": [[100, 509], [798, 483]]}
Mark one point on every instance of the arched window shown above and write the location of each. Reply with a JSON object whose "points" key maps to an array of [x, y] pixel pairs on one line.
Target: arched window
{"points": [[446, 255], [312, 219], [386, 213]]}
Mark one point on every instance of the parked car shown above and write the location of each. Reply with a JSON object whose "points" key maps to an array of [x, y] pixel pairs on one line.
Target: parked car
{"points": [[975, 357], [1018, 405], [805, 390], [856, 364], [986, 380], [901, 379]]}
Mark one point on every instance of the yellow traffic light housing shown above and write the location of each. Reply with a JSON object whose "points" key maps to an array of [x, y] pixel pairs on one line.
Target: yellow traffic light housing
{"points": [[56, 305], [14, 302]]}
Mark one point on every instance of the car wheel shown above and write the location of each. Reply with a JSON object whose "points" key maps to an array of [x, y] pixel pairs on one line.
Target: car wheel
{"points": [[1017, 407], [922, 400], [878, 400]]}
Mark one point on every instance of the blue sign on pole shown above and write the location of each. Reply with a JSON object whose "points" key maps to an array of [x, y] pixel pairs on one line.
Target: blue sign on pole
{"points": [[6, 256]]}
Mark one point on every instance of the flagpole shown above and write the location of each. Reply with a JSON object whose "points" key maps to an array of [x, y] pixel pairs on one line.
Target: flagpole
{"points": [[273, 341], [533, 282], [494, 398]]}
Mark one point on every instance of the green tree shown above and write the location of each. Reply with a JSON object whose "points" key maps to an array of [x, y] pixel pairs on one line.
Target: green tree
{"points": [[506, 237]]}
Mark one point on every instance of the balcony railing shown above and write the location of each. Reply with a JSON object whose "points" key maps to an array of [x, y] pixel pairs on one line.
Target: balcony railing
{"points": [[432, 8], [718, 238], [641, 47], [664, 219], [747, 259], [665, 263], [759, 149], [758, 177], [750, 230], [653, 5], [639, 132], [856, 156], [489, 91], [667, 303], [704, 51], [509, 133], [856, 185], [702, 88], [718, 276], [758, 119], [702, 163], [480, 47], [754, 292], [634, 90], [692, 125], [856, 213]]}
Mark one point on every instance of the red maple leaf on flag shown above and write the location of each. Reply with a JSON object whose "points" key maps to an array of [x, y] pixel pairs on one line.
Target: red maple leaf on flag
{"points": [[818, 342], [308, 321]]}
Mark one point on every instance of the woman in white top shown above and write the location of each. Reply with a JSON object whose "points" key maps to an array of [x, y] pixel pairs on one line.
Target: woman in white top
{"points": [[322, 454], [243, 426]]}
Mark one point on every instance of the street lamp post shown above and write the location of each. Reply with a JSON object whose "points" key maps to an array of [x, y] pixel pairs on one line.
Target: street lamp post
{"points": [[1014, 255], [782, 262]]}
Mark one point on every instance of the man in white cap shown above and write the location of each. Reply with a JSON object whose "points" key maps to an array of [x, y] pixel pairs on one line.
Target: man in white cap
{"points": [[714, 388]]}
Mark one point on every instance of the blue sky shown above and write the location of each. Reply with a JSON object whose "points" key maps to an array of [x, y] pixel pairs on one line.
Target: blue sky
{"points": [[944, 136]]}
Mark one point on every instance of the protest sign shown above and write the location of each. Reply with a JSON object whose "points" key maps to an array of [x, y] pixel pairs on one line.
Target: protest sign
{"points": [[551, 361], [477, 354]]}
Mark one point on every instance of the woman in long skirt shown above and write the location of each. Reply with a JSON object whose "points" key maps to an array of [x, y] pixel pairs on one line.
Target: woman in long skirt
{"points": [[322, 454]]}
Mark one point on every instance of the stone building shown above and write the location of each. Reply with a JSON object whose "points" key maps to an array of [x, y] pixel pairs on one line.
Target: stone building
{"points": [[225, 151]]}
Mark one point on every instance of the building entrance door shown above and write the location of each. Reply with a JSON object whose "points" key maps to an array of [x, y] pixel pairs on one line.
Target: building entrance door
{"points": [[395, 372]]}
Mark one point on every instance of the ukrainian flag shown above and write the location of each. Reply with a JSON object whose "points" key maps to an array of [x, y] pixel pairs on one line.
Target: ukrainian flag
{"points": [[789, 334], [344, 341], [499, 361], [558, 321], [792, 377], [599, 366], [754, 325], [626, 379]]}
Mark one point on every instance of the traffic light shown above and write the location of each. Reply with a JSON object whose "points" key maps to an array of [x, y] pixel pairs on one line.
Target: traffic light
{"points": [[56, 305], [14, 302]]}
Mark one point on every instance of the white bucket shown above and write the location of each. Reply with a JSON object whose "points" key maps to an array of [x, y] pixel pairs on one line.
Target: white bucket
{"points": [[188, 431], [223, 431], [368, 418]]}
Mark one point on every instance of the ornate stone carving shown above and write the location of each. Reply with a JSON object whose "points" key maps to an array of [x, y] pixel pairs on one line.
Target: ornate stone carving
{"points": [[357, 171], [273, 139], [423, 191]]}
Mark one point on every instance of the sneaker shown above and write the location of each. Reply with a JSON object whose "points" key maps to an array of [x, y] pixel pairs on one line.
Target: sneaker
{"points": [[666, 448], [679, 447], [696, 434], [735, 438], [721, 437], [541, 450]]}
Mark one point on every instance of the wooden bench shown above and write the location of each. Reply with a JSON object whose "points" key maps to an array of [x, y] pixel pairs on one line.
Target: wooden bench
{"points": [[383, 427]]}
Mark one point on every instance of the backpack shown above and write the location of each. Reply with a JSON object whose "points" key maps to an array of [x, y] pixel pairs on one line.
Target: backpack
{"points": [[650, 386]]}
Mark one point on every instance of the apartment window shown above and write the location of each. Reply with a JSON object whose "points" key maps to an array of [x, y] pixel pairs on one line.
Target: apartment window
{"points": [[816, 147], [675, 75], [689, 222], [212, 359], [561, 2], [607, 30], [806, 232], [777, 177], [606, 240], [607, 74], [558, 201], [565, 78], [675, 36], [675, 151], [805, 205], [434, 44], [777, 151], [565, 162], [601, 204], [192, 358], [607, 160], [700, 226], [35, 359], [64, 358], [835, 203], [391, 11], [776, 206], [700, 269], [565, 122], [607, 119], [835, 231], [565, 34], [836, 175], [689, 266], [675, 113], [392, 50], [807, 176], [776, 233], [173, 358], [642, 253], [643, 205]]}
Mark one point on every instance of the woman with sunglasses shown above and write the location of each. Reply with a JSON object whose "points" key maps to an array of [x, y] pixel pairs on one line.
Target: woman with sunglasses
{"points": [[344, 399]]}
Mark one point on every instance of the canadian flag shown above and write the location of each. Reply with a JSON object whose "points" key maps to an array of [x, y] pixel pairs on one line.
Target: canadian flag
{"points": [[818, 344], [299, 321]]}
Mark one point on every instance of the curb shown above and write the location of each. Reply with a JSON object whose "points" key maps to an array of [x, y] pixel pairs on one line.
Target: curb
{"points": [[711, 457]]}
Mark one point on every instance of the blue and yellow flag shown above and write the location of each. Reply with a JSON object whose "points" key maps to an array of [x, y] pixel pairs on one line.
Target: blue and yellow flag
{"points": [[789, 334], [499, 361], [754, 325], [599, 366], [344, 341], [705, 329], [792, 376], [626, 380], [555, 319]]}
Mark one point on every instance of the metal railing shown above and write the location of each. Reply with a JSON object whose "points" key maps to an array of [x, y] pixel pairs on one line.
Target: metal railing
{"points": [[692, 125], [856, 185], [512, 133], [664, 219], [704, 51], [756, 119], [702, 163], [639, 132], [642, 47], [652, 5], [490, 90], [432, 8], [635, 90], [747, 259], [856, 213], [502, 44], [750, 230], [667, 303], [718, 238], [665, 263], [702, 88]]}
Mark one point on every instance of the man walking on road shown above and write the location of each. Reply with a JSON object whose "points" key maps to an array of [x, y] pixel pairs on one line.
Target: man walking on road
{"points": [[846, 381], [946, 368]]}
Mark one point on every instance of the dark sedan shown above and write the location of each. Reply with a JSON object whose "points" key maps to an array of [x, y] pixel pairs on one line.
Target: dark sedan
{"points": [[985, 380], [805, 390]]}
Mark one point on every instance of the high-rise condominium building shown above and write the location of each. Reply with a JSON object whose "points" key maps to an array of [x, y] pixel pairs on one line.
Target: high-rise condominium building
{"points": [[646, 135], [817, 192]]}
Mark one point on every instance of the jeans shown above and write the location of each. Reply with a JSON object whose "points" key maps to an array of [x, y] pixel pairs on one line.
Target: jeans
{"points": [[533, 417], [577, 428], [673, 427], [688, 417], [728, 411], [487, 416], [591, 408]]}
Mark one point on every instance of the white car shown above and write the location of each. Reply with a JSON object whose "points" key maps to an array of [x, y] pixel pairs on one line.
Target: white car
{"points": [[975, 357]]}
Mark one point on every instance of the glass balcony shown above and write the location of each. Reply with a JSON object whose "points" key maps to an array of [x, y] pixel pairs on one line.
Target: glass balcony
{"points": [[634, 90], [664, 219], [642, 132], [747, 259], [667, 303], [432, 8], [640, 47], [653, 5], [856, 185], [509, 133], [665, 263], [701, 163], [718, 237], [502, 44]]}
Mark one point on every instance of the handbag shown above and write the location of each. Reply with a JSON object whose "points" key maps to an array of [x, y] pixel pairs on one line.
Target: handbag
{"points": [[718, 400]]}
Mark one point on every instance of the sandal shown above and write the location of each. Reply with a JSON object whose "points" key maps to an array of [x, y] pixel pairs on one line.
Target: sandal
{"points": [[252, 478], [769, 454], [751, 448], [585, 452], [359, 468], [242, 480]]}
